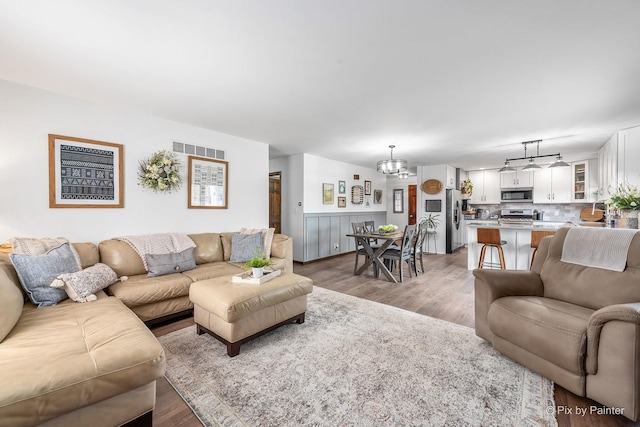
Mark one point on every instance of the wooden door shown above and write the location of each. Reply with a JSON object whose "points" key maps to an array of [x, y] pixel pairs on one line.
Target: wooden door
{"points": [[275, 186], [412, 204]]}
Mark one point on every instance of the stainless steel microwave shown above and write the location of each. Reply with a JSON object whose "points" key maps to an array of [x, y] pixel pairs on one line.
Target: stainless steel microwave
{"points": [[517, 195]]}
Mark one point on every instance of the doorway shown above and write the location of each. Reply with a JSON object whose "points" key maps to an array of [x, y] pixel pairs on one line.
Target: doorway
{"points": [[412, 203], [275, 201]]}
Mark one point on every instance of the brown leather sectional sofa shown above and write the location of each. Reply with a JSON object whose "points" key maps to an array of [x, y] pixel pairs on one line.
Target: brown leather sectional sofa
{"points": [[96, 363], [576, 325], [153, 298]]}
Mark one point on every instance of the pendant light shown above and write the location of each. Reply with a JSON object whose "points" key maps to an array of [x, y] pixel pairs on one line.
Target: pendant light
{"points": [[532, 166], [392, 166], [507, 167], [559, 163]]}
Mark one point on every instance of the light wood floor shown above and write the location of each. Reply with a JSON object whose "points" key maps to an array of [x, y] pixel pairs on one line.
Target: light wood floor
{"points": [[444, 292]]}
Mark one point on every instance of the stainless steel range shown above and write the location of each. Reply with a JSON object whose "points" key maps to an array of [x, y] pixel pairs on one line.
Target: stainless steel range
{"points": [[516, 216]]}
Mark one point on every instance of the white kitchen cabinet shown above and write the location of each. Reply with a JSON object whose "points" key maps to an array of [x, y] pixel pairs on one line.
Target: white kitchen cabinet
{"points": [[486, 186], [628, 171], [608, 168], [584, 187], [517, 179], [552, 185], [451, 177]]}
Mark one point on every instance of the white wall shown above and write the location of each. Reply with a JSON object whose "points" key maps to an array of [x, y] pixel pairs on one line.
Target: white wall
{"points": [[302, 179], [28, 115], [400, 219], [438, 172], [318, 170]]}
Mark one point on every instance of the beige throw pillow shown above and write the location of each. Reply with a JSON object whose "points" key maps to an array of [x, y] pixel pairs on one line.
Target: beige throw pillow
{"points": [[35, 246], [81, 286], [39, 246], [11, 303], [267, 237]]}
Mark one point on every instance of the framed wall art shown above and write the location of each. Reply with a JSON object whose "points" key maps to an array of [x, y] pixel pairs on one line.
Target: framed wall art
{"points": [[342, 187], [208, 183], [377, 197], [367, 188], [327, 194], [357, 194], [84, 173], [342, 202], [398, 200]]}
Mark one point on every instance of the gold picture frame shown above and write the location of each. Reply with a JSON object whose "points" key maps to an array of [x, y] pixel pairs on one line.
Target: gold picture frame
{"points": [[208, 183], [84, 173], [327, 193]]}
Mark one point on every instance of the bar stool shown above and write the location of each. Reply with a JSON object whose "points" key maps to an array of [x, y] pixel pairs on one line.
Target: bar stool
{"points": [[491, 237], [536, 236]]}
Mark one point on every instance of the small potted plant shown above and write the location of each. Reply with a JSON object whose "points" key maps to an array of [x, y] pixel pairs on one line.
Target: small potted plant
{"points": [[258, 263], [627, 200], [431, 220]]}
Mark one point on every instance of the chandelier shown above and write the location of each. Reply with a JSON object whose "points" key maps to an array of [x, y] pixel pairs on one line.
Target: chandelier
{"points": [[531, 165], [392, 166]]}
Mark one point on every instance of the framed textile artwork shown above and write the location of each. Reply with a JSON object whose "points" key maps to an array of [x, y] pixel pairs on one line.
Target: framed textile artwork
{"points": [[84, 173], [208, 183]]}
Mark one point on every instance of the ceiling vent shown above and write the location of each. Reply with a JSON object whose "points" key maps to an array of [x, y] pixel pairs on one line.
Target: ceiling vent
{"points": [[198, 150]]}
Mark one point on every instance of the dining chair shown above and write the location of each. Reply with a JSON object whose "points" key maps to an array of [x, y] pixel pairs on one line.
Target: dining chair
{"points": [[417, 249], [358, 228], [403, 252], [370, 227]]}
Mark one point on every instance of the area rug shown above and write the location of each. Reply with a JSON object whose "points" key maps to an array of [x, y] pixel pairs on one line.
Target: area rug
{"points": [[356, 363]]}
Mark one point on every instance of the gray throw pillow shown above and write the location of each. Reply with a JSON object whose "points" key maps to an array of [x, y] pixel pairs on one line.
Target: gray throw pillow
{"points": [[37, 272], [161, 264], [243, 246]]}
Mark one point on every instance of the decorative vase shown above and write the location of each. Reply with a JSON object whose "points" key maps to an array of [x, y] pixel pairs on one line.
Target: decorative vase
{"points": [[257, 272], [630, 218]]}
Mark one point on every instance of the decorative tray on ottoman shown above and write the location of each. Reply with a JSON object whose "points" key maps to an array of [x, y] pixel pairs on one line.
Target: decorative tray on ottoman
{"points": [[246, 277]]}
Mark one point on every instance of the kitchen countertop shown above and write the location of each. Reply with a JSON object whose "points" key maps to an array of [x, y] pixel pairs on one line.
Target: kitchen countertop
{"points": [[537, 225]]}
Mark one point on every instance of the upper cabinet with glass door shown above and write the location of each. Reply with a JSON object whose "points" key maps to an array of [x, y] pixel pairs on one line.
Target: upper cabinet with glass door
{"points": [[584, 181]]}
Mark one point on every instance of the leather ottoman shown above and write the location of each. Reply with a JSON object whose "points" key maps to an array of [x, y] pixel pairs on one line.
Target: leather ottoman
{"points": [[236, 313]]}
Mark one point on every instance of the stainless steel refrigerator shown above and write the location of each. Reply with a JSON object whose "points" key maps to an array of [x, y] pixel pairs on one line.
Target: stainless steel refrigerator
{"points": [[455, 229]]}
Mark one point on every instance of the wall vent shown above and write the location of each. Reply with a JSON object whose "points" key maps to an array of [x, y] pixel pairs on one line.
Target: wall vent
{"points": [[198, 150]]}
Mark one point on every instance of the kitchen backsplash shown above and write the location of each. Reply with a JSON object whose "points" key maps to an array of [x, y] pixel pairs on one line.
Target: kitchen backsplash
{"points": [[555, 213]]}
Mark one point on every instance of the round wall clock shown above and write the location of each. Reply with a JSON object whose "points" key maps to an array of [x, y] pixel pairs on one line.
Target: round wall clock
{"points": [[357, 194], [431, 186]]}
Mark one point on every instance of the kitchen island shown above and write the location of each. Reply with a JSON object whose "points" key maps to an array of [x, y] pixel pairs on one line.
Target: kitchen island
{"points": [[517, 250]]}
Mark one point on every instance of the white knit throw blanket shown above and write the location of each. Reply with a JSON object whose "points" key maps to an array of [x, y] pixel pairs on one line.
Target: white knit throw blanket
{"points": [[598, 247], [164, 243]]}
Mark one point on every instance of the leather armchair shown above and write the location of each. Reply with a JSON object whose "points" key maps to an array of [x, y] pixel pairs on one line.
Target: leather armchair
{"points": [[576, 325]]}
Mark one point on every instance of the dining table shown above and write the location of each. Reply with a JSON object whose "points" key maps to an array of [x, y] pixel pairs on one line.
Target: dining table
{"points": [[375, 252]]}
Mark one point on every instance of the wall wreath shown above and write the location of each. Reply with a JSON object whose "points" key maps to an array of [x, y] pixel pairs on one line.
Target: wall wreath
{"points": [[160, 172]]}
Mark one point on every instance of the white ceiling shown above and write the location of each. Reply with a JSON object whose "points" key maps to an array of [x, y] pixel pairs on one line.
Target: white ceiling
{"points": [[458, 81]]}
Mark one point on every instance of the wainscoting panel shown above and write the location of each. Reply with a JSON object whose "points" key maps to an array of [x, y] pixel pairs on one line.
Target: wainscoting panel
{"points": [[324, 231]]}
